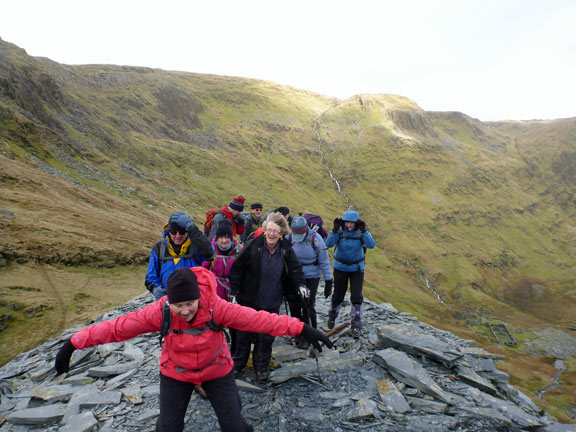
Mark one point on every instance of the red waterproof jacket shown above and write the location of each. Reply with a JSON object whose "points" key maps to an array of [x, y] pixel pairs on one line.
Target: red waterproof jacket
{"points": [[186, 357]]}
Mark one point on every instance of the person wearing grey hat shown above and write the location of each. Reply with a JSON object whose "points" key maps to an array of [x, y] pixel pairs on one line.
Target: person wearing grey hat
{"points": [[351, 239], [313, 255]]}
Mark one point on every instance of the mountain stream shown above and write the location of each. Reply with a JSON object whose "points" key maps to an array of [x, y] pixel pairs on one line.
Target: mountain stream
{"points": [[323, 148]]}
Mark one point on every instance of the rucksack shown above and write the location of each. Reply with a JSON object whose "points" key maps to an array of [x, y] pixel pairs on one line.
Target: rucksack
{"points": [[209, 219], [167, 323], [313, 244], [315, 223]]}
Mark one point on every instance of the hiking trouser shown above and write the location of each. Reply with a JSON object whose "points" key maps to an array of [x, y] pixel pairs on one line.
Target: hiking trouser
{"points": [[341, 279], [222, 394], [262, 349]]}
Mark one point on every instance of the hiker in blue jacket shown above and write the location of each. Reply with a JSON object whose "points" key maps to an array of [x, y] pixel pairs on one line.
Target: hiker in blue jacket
{"points": [[351, 239], [183, 245]]}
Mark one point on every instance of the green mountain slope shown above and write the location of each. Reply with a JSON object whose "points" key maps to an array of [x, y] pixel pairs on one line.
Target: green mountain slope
{"points": [[471, 219]]}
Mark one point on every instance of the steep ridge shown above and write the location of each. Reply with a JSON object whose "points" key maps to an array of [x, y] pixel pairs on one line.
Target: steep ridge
{"points": [[471, 219]]}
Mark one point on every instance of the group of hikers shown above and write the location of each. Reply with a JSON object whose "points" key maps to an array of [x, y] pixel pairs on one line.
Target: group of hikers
{"points": [[235, 274]]}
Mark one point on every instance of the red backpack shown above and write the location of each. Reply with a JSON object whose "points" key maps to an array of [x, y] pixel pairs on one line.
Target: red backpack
{"points": [[209, 219]]}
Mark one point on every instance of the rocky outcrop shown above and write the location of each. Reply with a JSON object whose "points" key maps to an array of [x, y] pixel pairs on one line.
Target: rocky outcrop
{"points": [[400, 375]]}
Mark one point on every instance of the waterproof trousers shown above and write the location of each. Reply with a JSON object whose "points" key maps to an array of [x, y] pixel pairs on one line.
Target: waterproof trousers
{"points": [[262, 349], [222, 394], [341, 279]]}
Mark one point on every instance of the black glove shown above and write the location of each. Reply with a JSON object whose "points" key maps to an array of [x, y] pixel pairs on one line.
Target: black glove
{"points": [[182, 220], [327, 288], [361, 225], [240, 221], [315, 336], [337, 225], [62, 363]]}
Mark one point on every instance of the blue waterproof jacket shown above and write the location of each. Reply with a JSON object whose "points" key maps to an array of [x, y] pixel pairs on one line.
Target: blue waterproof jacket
{"points": [[349, 253], [314, 259], [161, 264]]}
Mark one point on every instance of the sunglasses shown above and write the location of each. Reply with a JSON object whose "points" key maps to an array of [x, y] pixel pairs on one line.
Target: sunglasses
{"points": [[174, 232]]}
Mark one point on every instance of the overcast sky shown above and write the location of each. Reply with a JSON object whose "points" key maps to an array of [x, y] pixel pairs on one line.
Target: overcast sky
{"points": [[492, 60]]}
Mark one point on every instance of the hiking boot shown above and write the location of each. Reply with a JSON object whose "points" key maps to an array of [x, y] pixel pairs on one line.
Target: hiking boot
{"points": [[262, 376], [330, 323], [355, 333], [238, 373]]}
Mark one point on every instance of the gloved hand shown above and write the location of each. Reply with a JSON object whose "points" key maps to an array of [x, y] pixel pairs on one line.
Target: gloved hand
{"points": [[62, 363], [361, 225], [158, 292], [315, 336], [303, 292], [184, 222], [232, 298], [240, 221], [327, 288], [337, 225]]}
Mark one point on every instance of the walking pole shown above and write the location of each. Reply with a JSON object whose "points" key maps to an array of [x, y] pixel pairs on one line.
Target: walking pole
{"points": [[313, 351]]}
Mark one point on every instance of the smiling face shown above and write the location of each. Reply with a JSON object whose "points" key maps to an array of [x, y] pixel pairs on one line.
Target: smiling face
{"points": [[186, 310], [178, 237], [350, 225], [223, 242], [272, 234]]}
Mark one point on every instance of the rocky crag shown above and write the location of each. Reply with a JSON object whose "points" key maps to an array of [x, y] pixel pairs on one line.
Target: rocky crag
{"points": [[401, 374]]}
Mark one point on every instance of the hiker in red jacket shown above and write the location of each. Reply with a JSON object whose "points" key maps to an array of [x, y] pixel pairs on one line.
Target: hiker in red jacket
{"points": [[232, 212], [195, 350]]}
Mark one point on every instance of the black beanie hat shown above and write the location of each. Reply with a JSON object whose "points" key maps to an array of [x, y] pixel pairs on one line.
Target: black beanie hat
{"points": [[255, 205], [224, 229], [182, 286]]}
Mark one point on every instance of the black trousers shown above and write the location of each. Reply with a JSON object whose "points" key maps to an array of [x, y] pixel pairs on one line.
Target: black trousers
{"points": [[341, 279], [222, 394], [262, 348]]}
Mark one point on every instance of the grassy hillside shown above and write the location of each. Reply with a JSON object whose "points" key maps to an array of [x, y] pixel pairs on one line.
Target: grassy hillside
{"points": [[471, 219]]}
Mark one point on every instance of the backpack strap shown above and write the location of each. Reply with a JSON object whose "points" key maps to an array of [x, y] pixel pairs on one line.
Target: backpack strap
{"points": [[341, 235], [167, 323]]}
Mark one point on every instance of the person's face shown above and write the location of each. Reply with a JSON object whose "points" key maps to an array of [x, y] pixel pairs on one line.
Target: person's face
{"points": [[224, 242], [178, 237], [350, 225], [257, 211], [233, 212], [186, 310], [272, 234]]}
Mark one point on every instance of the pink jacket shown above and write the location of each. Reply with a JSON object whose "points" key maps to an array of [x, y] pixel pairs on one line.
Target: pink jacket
{"points": [[186, 357], [221, 265]]}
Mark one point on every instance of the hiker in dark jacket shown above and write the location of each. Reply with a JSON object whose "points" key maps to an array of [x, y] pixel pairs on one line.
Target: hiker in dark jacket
{"points": [[266, 270], [253, 221], [194, 351], [313, 255], [351, 238], [183, 245], [232, 213]]}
